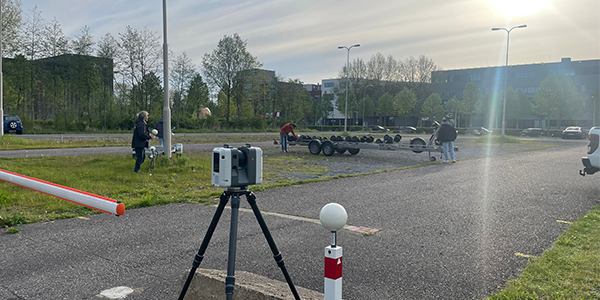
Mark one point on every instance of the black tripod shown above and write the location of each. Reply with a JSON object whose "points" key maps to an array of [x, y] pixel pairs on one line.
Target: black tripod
{"points": [[234, 194]]}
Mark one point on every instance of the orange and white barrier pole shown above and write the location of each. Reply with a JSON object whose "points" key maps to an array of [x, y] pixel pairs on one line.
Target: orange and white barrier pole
{"points": [[96, 202]]}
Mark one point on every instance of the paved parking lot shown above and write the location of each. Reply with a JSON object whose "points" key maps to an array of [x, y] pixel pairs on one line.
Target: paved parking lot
{"points": [[447, 231]]}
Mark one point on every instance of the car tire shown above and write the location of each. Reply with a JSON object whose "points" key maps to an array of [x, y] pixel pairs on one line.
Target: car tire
{"points": [[13, 125]]}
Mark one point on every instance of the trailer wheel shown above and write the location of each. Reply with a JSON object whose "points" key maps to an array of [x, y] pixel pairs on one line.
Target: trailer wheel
{"points": [[341, 150], [417, 145], [353, 151], [328, 149], [314, 147], [432, 158]]}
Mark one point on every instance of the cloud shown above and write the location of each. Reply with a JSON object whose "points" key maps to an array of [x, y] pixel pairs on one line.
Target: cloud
{"points": [[299, 39]]}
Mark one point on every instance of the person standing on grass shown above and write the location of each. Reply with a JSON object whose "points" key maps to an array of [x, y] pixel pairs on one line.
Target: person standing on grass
{"points": [[285, 130], [140, 139], [446, 135], [159, 128]]}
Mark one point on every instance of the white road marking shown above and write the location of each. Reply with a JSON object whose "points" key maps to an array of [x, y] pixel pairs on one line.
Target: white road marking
{"points": [[119, 292]]}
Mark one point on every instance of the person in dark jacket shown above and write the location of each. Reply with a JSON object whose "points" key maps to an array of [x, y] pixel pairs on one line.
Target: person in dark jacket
{"points": [[446, 135], [159, 128], [140, 139]]}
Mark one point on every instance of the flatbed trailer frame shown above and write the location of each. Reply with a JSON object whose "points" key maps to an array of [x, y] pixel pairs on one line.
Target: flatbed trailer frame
{"points": [[328, 147]]}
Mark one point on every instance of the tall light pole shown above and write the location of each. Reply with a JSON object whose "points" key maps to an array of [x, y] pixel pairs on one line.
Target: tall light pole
{"points": [[506, 73], [347, 83], [1, 93], [166, 109]]}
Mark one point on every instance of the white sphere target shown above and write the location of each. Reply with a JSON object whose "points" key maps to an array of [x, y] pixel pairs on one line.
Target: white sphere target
{"points": [[154, 131], [333, 217]]}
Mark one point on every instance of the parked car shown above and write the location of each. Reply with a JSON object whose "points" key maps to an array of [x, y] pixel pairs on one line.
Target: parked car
{"points": [[378, 128], [573, 132], [533, 132], [408, 129], [13, 123], [478, 131]]}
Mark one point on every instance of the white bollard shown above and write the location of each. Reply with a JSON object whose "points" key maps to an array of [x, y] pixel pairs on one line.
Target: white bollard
{"points": [[333, 217]]}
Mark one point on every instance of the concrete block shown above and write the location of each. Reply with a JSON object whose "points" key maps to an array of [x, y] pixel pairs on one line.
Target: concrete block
{"points": [[210, 284]]}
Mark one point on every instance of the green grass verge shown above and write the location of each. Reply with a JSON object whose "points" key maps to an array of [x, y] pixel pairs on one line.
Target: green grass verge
{"points": [[570, 269], [184, 179], [17, 143]]}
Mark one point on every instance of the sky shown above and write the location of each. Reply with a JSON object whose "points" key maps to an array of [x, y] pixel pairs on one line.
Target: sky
{"points": [[299, 39]]}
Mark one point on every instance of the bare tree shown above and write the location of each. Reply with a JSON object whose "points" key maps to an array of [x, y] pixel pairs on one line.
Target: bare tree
{"points": [[425, 67], [392, 69], [32, 34], [409, 70], [376, 67], [83, 44], [11, 24], [107, 47], [139, 55], [182, 73], [54, 41]]}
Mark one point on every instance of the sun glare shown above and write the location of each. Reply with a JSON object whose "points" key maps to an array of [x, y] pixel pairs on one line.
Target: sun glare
{"points": [[515, 8]]}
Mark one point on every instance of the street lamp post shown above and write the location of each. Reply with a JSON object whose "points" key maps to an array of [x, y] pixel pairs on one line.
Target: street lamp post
{"points": [[506, 73], [1, 93], [347, 83]]}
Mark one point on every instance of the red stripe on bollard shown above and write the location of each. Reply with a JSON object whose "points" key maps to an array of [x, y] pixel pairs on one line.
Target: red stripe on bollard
{"points": [[333, 268]]}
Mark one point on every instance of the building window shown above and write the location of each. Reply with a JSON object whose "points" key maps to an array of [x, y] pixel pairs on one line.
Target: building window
{"points": [[531, 90], [583, 88], [328, 84]]}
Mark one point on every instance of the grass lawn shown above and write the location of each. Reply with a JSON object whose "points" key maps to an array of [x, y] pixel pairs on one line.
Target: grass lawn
{"points": [[184, 179], [570, 269]]}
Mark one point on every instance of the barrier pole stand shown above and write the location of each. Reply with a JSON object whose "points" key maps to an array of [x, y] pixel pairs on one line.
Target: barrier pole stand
{"points": [[333, 270]]}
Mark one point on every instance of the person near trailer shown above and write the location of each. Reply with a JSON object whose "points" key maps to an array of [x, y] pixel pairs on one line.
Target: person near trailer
{"points": [[159, 128], [140, 139], [283, 133], [446, 134]]}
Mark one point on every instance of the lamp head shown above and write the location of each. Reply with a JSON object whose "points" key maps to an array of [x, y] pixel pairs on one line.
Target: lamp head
{"points": [[341, 47], [522, 26], [496, 28]]}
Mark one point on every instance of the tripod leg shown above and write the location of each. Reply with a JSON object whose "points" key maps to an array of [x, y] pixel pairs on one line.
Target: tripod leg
{"points": [[276, 254], [200, 255], [230, 279]]}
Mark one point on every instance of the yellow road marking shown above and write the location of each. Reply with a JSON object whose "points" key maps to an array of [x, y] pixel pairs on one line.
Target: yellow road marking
{"points": [[525, 255], [83, 218], [561, 221]]}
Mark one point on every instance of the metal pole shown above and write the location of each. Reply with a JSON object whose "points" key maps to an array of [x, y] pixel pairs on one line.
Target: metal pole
{"points": [[1, 93], [594, 113], [506, 73], [166, 109], [347, 86], [505, 82]]}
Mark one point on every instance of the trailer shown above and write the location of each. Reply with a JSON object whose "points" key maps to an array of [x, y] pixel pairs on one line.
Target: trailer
{"points": [[354, 144]]}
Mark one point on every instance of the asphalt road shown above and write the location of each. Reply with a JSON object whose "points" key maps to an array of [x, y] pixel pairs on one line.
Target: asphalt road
{"points": [[448, 231]]}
